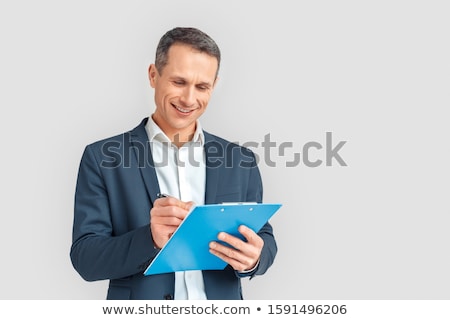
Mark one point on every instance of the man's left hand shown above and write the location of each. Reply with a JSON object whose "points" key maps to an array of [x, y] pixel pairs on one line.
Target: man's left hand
{"points": [[242, 256]]}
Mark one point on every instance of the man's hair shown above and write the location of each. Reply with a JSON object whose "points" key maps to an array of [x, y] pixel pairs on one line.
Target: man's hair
{"points": [[192, 37]]}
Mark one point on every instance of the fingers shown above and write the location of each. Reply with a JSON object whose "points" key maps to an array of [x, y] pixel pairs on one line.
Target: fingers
{"points": [[171, 207], [171, 201], [251, 236], [242, 255], [165, 217]]}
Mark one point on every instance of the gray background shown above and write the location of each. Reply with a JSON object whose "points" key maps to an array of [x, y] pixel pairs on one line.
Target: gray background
{"points": [[375, 74]]}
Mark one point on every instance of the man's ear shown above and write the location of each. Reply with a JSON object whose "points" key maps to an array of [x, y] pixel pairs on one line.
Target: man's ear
{"points": [[215, 81], [152, 75]]}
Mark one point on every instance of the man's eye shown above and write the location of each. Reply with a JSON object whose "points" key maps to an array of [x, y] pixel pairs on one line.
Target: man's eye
{"points": [[202, 88], [179, 83]]}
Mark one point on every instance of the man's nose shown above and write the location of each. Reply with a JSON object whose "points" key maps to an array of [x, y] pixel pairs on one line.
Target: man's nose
{"points": [[188, 97]]}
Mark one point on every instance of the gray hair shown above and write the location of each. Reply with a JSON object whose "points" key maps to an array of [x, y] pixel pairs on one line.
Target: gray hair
{"points": [[192, 37]]}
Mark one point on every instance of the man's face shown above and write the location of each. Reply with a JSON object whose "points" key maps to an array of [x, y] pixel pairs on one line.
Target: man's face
{"points": [[182, 89]]}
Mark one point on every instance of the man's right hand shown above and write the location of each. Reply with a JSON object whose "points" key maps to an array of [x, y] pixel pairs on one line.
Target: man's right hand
{"points": [[165, 217]]}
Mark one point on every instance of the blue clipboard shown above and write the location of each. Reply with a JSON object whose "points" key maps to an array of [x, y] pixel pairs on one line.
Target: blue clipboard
{"points": [[188, 248]]}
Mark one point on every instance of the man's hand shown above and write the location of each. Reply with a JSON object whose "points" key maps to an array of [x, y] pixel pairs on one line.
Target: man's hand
{"points": [[244, 255], [166, 215]]}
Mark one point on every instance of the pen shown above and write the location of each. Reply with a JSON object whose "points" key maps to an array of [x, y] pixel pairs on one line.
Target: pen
{"points": [[162, 195]]}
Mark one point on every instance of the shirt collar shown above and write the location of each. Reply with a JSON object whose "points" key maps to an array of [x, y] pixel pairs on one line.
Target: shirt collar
{"points": [[155, 133]]}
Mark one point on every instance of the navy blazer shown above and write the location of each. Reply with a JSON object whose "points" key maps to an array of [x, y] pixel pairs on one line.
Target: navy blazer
{"points": [[116, 188]]}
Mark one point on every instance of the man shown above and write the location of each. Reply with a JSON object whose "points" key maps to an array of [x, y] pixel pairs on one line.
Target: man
{"points": [[120, 223]]}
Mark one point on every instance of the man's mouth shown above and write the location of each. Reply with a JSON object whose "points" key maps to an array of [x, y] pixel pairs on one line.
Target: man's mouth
{"points": [[182, 110]]}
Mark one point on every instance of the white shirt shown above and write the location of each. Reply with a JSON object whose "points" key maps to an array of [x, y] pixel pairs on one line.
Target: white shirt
{"points": [[181, 173]]}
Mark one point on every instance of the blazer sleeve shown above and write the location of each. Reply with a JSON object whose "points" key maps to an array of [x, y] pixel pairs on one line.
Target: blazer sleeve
{"points": [[269, 250], [96, 252]]}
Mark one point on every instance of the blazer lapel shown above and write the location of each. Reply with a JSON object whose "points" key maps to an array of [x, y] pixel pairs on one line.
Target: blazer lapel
{"points": [[141, 147], [213, 150]]}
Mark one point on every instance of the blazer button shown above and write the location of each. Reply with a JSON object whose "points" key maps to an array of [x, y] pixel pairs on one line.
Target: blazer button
{"points": [[168, 297]]}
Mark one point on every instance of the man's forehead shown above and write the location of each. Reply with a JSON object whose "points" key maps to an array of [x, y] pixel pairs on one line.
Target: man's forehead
{"points": [[183, 67]]}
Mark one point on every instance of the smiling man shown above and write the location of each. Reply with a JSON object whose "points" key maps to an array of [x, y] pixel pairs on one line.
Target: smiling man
{"points": [[120, 223], [183, 86]]}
